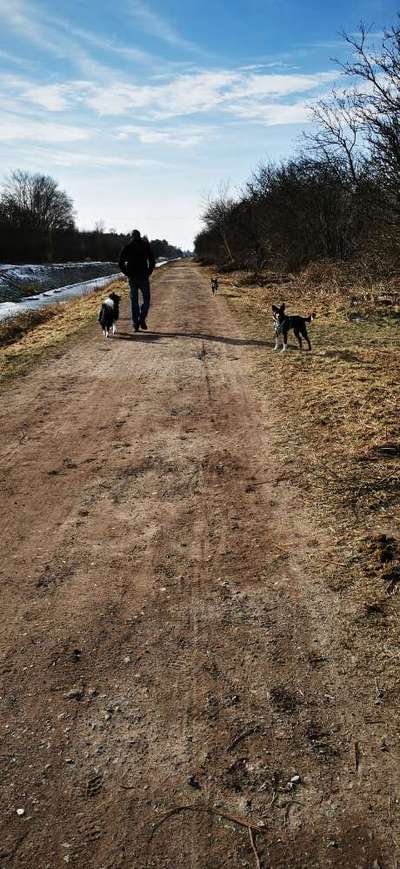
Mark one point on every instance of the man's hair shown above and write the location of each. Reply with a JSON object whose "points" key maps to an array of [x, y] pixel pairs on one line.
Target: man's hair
{"points": [[135, 234]]}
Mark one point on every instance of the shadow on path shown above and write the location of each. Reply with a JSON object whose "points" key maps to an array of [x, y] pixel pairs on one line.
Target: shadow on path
{"points": [[202, 336]]}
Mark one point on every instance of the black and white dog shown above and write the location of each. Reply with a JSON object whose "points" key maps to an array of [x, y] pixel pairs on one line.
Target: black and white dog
{"points": [[214, 285], [283, 323], [109, 314]]}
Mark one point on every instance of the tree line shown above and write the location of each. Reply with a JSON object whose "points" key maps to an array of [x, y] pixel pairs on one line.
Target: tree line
{"points": [[338, 199], [37, 224]]}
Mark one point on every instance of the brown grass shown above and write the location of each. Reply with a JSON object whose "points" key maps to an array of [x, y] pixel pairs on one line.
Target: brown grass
{"points": [[15, 327], [24, 339], [336, 433]]}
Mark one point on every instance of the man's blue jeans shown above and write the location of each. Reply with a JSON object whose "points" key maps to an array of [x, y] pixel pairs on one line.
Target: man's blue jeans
{"points": [[139, 312]]}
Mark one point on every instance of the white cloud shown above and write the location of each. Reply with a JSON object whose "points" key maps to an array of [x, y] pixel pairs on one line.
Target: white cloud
{"points": [[155, 112], [267, 98], [272, 85], [199, 93], [15, 127], [273, 114], [183, 95], [158, 27], [50, 97], [178, 137], [69, 159], [119, 98]]}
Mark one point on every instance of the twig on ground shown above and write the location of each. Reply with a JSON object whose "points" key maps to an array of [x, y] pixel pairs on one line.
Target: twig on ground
{"points": [[357, 755], [244, 735], [274, 799], [254, 849], [242, 822]]}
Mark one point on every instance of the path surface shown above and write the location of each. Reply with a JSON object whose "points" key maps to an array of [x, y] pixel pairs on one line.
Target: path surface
{"points": [[162, 634]]}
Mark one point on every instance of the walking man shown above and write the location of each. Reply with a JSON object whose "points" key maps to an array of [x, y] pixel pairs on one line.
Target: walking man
{"points": [[137, 262]]}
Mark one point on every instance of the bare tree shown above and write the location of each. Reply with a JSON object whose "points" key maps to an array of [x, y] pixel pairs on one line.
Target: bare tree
{"points": [[376, 97], [216, 214], [338, 131], [35, 200]]}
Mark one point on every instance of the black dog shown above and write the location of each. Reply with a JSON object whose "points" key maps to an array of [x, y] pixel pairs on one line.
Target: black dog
{"points": [[283, 323], [109, 314], [214, 285]]}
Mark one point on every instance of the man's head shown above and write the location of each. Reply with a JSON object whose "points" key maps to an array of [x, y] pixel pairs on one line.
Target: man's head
{"points": [[135, 234]]}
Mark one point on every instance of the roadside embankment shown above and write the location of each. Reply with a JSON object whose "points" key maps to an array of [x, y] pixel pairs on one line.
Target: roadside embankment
{"points": [[21, 281]]}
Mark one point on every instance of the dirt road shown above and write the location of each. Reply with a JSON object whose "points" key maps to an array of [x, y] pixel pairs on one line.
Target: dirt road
{"points": [[173, 693]]}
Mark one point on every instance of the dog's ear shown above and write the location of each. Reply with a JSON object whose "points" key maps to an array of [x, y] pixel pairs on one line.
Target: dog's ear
{"points": [[275, 309], [282, 308]]}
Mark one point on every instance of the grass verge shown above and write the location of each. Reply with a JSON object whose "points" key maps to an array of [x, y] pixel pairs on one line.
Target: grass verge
{"points": [[335, 432], [24, 339]]}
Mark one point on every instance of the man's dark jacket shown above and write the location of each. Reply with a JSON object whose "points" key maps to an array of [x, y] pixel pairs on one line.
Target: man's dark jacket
{"points": [[137, 259]]}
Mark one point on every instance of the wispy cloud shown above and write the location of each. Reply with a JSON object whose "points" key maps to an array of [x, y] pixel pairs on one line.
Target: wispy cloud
{"points": [[129, 53], [159, 27], [54, 97], [8, 57], [74, 159], [16, 127], [274, 114], [271, 85], [212, 92], [59, 37], [178, 137], [30, 25]]}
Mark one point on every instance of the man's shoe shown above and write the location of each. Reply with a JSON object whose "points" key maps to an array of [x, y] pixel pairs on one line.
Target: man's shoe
{"points": [[136, 327], [144, 325]]}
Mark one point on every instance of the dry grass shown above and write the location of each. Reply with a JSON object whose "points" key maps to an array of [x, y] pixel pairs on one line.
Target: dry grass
{"points": [[15, 327], [336, 433], [23, 340]]}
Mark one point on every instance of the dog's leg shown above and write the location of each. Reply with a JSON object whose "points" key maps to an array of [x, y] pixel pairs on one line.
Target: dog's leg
{"points": [[114, 328], [306, 338], [284, 339], [298, 336], [276, 338]]}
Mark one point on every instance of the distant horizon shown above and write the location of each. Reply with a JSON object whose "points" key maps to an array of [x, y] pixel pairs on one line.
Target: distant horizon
{"points": [[140, 112]]}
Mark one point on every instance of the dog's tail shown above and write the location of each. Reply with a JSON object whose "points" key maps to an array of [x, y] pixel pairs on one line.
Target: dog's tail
{"points": [[310, 317]]}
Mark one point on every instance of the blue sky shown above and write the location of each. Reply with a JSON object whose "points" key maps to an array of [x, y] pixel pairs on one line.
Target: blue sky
{"points": [[141, 109]]}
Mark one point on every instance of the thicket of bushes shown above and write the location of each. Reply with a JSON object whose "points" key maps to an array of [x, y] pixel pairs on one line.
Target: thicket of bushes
{"points": [[37, 225], [338, 200]]}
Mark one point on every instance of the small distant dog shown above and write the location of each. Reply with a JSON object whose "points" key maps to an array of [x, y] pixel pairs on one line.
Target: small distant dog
{"points": [[109, 314], [214, 285], [283, 323]]}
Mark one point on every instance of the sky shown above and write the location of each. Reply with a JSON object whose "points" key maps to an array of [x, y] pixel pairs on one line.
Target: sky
{"points": [[142, 109]]}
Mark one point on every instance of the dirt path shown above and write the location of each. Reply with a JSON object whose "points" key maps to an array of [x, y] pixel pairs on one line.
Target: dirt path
{"points": [[164, 640]]}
